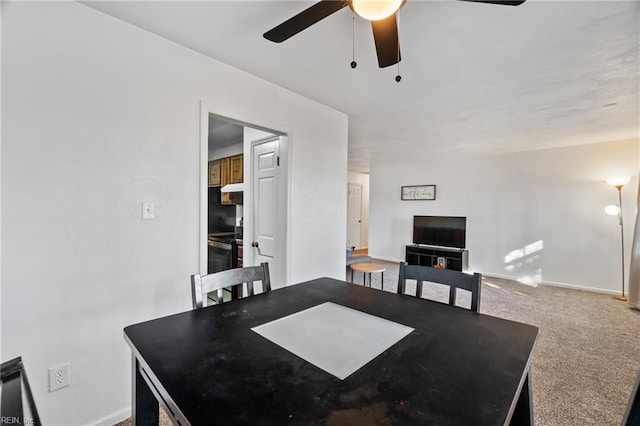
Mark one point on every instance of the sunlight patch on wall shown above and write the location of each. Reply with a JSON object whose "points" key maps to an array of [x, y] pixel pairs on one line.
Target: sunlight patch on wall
{"points": [[524, 263], [525, 251]]}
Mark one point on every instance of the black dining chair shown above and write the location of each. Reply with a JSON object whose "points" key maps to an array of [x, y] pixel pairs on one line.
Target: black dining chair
{"points": [[454, 279], [17, 405], [632, 416], [202, 285]]}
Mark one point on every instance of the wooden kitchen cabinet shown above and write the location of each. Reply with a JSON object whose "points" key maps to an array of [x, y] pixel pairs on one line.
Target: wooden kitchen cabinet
{"points": [[214, 173], [225, 171], [236, 171]]}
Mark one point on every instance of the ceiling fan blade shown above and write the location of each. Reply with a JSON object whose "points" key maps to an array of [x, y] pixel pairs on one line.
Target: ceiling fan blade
{"points": [[385, 34], [500, 2], [304, 20]]}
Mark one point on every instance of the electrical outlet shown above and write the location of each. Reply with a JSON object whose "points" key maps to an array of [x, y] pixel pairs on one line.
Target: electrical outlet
{"points": [[59, 377]]}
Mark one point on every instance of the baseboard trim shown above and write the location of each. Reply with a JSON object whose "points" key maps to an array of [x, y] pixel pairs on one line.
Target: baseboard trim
{"points": [[113, 418], [556, 284], [387, 259]]}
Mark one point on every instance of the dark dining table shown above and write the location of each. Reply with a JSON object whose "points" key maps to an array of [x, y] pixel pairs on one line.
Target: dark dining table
{"points": [[208, 366]]}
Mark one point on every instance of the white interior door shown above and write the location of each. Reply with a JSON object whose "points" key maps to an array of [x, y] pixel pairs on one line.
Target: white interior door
{"points": [[267, 235], [354, 211]]}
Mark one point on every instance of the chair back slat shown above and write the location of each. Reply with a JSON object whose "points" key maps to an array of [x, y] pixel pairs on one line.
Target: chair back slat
{"points": [[454, 279], [202, 285]]}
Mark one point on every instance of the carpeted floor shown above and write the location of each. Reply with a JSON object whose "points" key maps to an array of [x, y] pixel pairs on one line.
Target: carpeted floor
{"points": [[588, 351]]}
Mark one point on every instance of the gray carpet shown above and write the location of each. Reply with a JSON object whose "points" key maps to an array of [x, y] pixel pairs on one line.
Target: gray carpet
{"points": [[588, 351]]}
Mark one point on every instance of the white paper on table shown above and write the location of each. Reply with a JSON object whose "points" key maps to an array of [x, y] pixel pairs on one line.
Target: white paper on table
{"points": [[335, 338]]}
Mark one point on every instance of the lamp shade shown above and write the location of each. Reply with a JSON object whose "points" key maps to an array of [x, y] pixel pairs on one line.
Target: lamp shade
{"points": [[374, 10], [612, 210], [618, 181]]}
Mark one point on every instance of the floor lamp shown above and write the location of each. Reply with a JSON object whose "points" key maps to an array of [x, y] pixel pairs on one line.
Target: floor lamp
{"points": [[618, 183]]}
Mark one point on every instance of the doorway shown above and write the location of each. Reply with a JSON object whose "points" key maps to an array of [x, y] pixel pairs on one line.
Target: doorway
{"points": [[227, 146], [358, 212], [354, 220], [267, 202]]}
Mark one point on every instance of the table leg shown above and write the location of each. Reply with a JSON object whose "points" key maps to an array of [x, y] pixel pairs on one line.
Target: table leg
{"points": [[382, 281], [352, 275], [144, 405], [523, 413]]}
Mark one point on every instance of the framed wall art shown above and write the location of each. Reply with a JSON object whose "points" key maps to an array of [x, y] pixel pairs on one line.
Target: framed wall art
{"points": [[418, 192]]}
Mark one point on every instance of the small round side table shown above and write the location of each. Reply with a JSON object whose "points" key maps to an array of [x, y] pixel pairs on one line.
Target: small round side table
{"points": [[368, 268]]}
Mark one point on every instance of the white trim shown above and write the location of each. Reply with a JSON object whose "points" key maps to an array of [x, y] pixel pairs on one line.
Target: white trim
{"points": [[387, 259], [113, 418], [553, 284], [203, 189], [288, 183]]}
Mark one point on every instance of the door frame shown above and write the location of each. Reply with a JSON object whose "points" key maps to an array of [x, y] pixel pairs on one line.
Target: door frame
{"points": [[248, 120]]}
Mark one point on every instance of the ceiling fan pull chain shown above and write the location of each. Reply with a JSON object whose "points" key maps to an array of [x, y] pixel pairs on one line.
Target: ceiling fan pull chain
{"points": [[353, 44], [398, 77]]}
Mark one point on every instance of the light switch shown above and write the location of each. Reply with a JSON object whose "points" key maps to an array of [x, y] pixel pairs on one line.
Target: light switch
{"points": [[148, 210]]}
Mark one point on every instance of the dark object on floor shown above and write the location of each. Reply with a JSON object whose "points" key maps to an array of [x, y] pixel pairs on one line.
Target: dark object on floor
{"points": [[455, 259], [453, 279], [632, 417], [16, 407]]}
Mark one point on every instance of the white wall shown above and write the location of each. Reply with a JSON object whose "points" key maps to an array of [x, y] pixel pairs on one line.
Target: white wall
{"points": [[225, 151], [363, 179], [515, 203], [99, 116]]}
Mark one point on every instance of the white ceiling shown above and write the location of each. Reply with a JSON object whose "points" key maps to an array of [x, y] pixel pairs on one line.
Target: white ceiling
{"points": [[223, 132], [476, 78]]}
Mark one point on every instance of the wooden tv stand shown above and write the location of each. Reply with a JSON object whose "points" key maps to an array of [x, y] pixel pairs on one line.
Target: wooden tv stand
{"points": [[456, 259]]}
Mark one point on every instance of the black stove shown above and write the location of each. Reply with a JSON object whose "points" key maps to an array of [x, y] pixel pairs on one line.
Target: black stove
{"points": [[223, 251]]}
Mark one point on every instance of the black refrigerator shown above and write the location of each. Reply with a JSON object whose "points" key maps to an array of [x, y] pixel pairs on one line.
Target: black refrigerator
{"points": [[222, 243], [222, 219]]}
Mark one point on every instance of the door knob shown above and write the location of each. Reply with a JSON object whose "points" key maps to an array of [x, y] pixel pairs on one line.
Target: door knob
{"points": [[254, 244]]}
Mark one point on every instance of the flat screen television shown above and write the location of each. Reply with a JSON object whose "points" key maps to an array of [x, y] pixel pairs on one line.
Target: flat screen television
{"points": [[445, 231]]}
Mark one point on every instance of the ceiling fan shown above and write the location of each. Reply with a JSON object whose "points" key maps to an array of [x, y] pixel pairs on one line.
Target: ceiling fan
{"points": [[381, 13]]}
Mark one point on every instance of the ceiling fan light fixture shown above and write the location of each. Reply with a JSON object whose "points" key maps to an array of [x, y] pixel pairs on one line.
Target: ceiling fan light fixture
{"points": [[375, 10]]}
